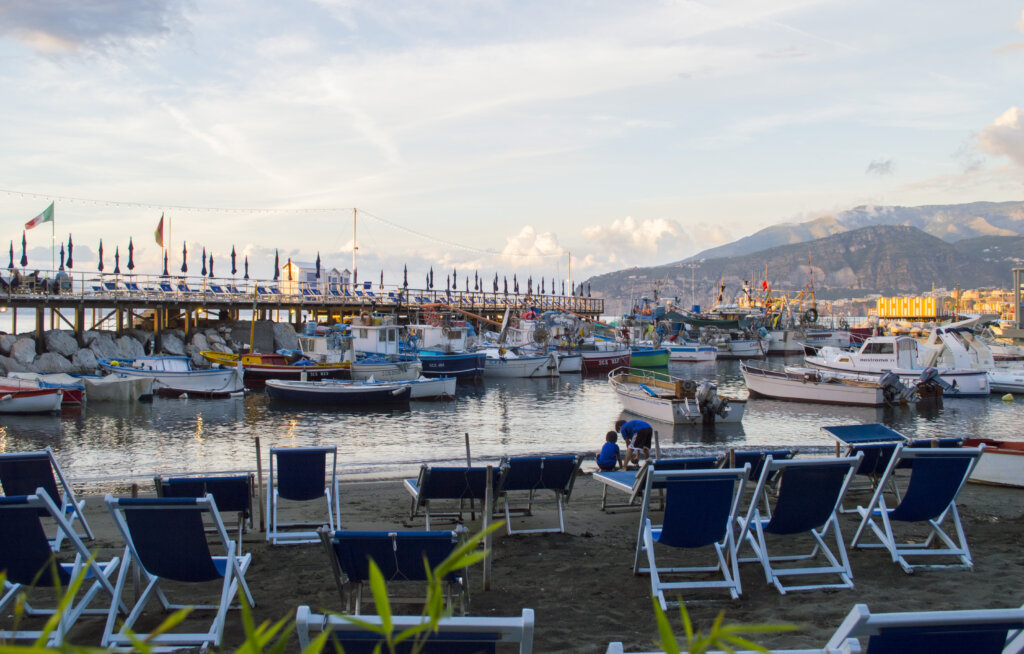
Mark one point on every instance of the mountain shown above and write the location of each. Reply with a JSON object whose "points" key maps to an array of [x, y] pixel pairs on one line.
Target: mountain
{"points": [[887, 259], [784, 234]]}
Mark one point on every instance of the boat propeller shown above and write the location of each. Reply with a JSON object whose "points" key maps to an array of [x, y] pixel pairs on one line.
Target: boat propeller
{"points": [[931, 376], [709, 402], [895, 391]]}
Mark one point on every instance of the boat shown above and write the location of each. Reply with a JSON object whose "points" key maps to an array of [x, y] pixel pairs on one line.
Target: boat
{"points": [[812, 385], [442, 348], [259, 367], [734, 346], [569, 362], [395, 367], [507, 362], [176, 376], [111, 388], [647, 356], [899, 354], [663, 397], [690, 351], [339, 393], [1000, 464], [31, 400], [380, 351], [74, 390], [460, 365], [957, 346], [599, 360]]}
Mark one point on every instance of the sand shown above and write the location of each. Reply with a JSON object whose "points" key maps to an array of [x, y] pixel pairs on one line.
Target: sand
{"points": [[581, 587]]}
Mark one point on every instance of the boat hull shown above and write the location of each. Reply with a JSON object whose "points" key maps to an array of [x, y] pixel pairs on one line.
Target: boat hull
{"points": [[570, 362], [797, 387], [968, 383], [635, 394], [648, 358], [352, 394], [1001, 464], [740, 349], [694, 352], [40, 400], [1006, 380], [461, 365], [437, 388], [597, 361], [213, 382], [386, 370], [521, 367]]}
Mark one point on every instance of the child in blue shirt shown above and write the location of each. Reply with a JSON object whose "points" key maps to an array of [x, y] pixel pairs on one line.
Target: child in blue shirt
{"points": [[610, 457]]}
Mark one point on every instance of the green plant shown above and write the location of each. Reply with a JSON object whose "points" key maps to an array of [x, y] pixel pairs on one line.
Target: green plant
{"points": [[725, 637]]}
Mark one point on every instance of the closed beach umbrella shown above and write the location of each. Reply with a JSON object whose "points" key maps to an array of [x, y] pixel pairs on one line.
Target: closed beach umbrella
{"points": [[588, 289], [10, 266], [131, 255], [405, 276], [515, 283], [203, 271], [495, 283], [62, 256], [100, 266], [24, 256], [455, 278], [467, 283], [184, 257], [382, 280], [70, 247], [277, 266], [426, 281], [233, 268], [447, 282], [542, 286], [529, 285], [430, 284], [506, 285], [117, 260], [318, 265], [211, 264], [165, 265], [246, 267], [563, 287]]}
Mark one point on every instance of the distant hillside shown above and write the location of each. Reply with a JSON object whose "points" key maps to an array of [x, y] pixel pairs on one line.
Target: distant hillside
{"points": [[887, 259], [776, 235]]}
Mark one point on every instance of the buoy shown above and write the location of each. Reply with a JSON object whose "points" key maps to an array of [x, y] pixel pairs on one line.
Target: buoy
{"points": [[1008, 397]]}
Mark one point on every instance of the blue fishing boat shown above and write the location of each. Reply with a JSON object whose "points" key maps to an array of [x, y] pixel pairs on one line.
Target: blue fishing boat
{"points": [[442, 343], [461, 365]]}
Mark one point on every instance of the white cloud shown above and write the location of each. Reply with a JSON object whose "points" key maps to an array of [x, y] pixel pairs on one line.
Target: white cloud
{"points": [[531, 247], [648, 236], [1005, 136]]}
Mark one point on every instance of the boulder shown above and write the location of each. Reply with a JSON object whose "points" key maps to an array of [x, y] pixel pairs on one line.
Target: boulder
{"points": [[24, 351], [130, 347], [213, 337], [7, 341], [7, 364], [102, 345], [84, 361], [49, 362], [221, 347], [285, 337], [60, 341], [172, 343], [199, 342]]}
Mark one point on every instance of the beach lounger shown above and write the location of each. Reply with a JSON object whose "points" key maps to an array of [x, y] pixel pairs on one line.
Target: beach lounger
{"points": [[234, 290], [476, 634], [532, 474], [232, 493], [300, 476], [311, 293], [165, 541], [183, 288], [399, 555], [166, 287], [21, 473], [451, 484], [216, 289], [809, 495], [111, 287], [634, 481], [27, 560], [936, 479], [133, 288]]}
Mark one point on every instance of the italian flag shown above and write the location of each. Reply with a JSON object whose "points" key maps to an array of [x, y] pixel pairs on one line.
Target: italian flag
{"points": [[45, 217]]}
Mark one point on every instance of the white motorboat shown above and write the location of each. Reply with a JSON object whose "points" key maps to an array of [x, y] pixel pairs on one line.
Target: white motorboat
{"points": [[690, 351], [1001, 464], [502, 362], [899, 354], [175, 375], [812, 385], [957, 346], [669, 399]]}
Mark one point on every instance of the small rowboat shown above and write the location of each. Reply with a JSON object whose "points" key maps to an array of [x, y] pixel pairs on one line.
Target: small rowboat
{"points": [[673, 400], [352, 394], [1002, 463], [41, 400]]}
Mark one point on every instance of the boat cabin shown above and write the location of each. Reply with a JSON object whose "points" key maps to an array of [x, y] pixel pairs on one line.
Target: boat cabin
{"points": [[331, 347], [886, 353], [383, 339], [452, 337]]}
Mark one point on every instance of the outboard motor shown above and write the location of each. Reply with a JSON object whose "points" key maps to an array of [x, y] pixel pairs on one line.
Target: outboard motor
{"points": [[931, 376], [930, 386], [895, 391], [709, 402]]}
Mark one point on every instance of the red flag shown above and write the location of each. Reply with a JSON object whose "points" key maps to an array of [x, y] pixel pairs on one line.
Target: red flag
{"points": [[159, 234], [764, 284]]}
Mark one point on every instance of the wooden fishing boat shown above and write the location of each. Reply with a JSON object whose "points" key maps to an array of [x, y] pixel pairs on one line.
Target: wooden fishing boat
{"points": [[175, 375], [643, 356], [502, 362], [1002, 463], [810, 385], [669, 399], [259, 367], [74, 390], [339, 393], [38, 400]]}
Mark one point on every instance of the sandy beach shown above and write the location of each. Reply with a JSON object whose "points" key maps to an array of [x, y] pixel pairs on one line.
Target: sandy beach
{"points": [[581, 586]]}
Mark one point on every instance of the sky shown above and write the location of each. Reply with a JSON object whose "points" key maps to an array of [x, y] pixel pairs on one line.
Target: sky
{"points": [[493, 136]]}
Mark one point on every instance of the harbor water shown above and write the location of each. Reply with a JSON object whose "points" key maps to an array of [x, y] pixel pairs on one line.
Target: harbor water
{"points": [[106, 446]]}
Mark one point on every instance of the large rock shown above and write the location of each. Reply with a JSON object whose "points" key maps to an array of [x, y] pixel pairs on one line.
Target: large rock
{"points": [[213, 337], [60, 341], [52, 362], [220, 347], [7, 341], [7, 364], [285, 337], [200, 342], [84, 361], [24, 351], [102, 345], [130, 347], [172, 343]]}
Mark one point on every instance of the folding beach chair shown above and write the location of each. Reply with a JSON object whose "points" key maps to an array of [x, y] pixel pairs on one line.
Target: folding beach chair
{"points": [[634, 481], [216, 289], [300, 475], [111, 287], [133, 288], [183, 288], [21, 473], [700, 509], [851, 647], [232, 493], [985, 631], [936, 479], [437, 484], [166, 287], [809, 495], [166, 541], [401, 556], [28, 562], [530, 474], [453, 635]]}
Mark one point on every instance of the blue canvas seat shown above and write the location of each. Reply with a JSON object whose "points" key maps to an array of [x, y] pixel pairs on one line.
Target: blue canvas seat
{"points": [[451, 484], [232, 493], [936, 479], [530, 474], [301, 474], [216, 289], [21, 473], [183, 288], [166, 541], [28, 563], [458, 635], [633, 482], [111, 287], [700, 509], [809, 494], [399, 555], [166, 287], [133, 288], [234, 290]]}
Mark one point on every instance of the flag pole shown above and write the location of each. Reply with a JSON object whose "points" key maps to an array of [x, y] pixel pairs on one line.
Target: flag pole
{"points": [[53, 246]]}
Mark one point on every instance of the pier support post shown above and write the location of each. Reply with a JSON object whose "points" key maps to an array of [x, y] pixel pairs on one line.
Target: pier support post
{"points": [[40, 321]]}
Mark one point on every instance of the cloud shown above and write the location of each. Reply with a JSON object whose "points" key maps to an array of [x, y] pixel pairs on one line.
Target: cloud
{"points": [[1005, 136], [880, 167], [52, 26], [640, 237], [530, 246]]}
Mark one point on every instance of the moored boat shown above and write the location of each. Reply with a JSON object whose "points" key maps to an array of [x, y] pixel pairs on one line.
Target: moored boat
{"points": [[643, 356], [461, 365], [673, 400], [339, 393], [259, 367], [502, 362], [1001, 464], [74, 390], [690, 351], [175, 375], [29, 400], [812, 385]]}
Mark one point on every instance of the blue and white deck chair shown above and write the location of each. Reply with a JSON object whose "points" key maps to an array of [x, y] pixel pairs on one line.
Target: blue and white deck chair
{"points": [[232, 493], [459, 484], [133, 288], [301, 474], [400, 557], [984, 631], [936, 479], [166, 539], [29, 563], [166, 287], [216, 289], [701, 507], [459, 635], [850, 647], [21, 473], [807, 503], [634, 481], [533, 474]]}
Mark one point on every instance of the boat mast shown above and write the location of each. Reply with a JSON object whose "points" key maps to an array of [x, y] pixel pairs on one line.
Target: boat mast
{"points": [[355, 275]]}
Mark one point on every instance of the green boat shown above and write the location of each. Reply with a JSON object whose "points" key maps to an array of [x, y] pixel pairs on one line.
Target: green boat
{"points": [[641, 356]]}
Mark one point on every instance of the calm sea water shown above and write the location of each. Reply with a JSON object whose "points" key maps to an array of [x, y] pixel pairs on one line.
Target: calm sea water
{"points": [[105, 446]]}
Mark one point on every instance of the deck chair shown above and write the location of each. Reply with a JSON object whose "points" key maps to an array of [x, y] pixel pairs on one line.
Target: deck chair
{"points": [[183, 288], [217, 289], [28, 561], [133, 288], [232, 493], [701, 507], [809, 495], [166, 541], [985, 631], [21, 473], [234, 290], [461, 483], [166, 287], [851, 647], [454, 635], [400, 557], [300, 475], [530, 474], [634, 481], [111, 287], [936, 479]]}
